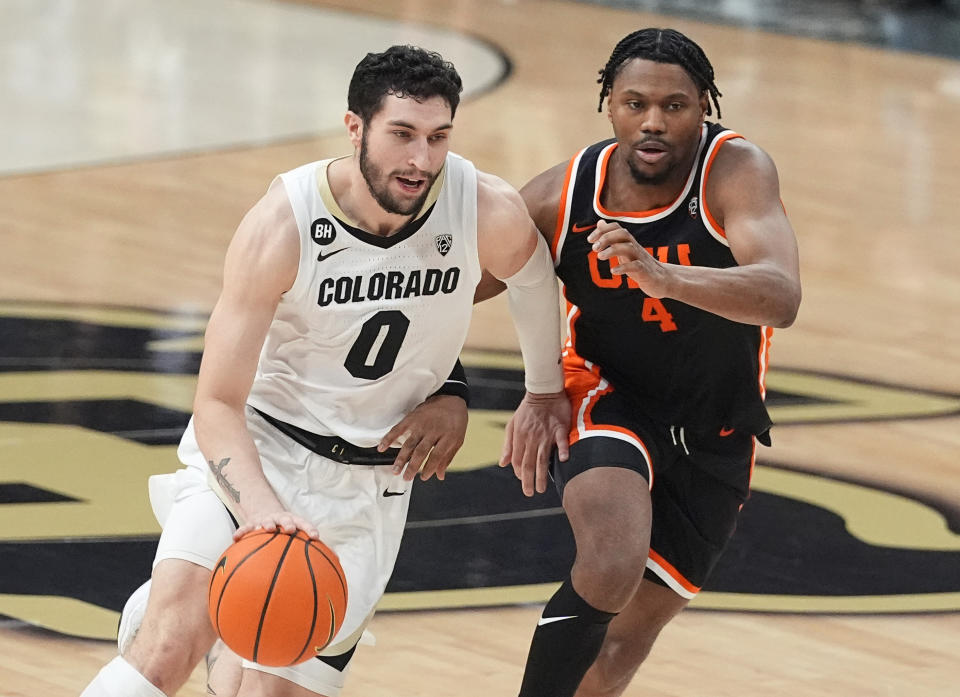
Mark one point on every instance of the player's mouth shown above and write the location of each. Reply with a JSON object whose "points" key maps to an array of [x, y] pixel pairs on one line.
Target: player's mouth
{"points": [[651, 151], [411, 185]]}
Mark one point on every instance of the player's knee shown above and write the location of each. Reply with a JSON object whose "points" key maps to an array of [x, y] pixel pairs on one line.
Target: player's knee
{"points": [[172, 640], [178, 601], [615, 557], [622, 657], [616, 664], [256, 683], [164, 660], [613, 575], [628, 565]]}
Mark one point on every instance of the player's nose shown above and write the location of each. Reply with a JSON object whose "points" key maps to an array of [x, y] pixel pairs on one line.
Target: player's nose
{"points": [[653, 121], [419, 154]]}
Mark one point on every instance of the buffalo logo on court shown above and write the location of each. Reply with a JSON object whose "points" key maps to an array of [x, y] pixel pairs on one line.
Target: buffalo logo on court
{"points": [[322, 231], [692, 207], [121, 428], [444, 242]]}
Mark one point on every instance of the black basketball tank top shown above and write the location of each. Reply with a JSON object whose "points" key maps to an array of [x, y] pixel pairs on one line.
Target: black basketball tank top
{"points": [[682, 365]]}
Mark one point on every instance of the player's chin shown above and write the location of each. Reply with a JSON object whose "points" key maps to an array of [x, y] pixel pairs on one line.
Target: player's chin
{"points": [[651, 173]]}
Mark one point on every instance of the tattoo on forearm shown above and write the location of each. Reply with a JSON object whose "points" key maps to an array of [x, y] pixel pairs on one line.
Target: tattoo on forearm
{"points": [[212, 657], [222, 478]]}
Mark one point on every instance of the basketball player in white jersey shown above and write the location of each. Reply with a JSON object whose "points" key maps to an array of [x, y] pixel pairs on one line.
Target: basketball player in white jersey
{"points": [[346, 299]]}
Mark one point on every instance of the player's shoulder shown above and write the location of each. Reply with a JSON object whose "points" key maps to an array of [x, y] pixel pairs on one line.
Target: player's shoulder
{"points": [[268, 232], [739, 156], [740, 172], [274, 210], [542, 194], [498, 202], [548, 183], [494, 186]]}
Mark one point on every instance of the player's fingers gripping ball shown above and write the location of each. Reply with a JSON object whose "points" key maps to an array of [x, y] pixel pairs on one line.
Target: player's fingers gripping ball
{"points": [[277, 599]]}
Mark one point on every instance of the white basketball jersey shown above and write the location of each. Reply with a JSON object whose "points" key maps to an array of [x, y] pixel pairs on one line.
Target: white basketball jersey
{"points": [[372, 325]]}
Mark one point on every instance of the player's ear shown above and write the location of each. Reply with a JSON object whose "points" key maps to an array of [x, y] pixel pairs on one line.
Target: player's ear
{"points": [[704, 105], [354, 124]]}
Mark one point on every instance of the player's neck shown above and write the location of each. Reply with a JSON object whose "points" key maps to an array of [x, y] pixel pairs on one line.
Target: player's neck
{"points": [[351, 193], [622, 191]]}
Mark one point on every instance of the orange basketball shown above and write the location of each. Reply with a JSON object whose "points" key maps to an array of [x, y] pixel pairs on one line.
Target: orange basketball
{"points": [[277, 599]]}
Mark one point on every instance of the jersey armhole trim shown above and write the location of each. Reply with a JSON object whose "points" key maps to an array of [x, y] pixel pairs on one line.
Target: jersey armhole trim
{"points": [[563, 209], [299, 208], [462, 184], [709, 222]]}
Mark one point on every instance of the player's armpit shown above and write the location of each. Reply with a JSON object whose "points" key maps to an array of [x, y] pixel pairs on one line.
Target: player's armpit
{"points": [[488, 287]]}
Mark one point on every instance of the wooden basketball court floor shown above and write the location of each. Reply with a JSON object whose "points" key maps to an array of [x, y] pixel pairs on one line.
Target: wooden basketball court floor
{"points": [[865, 141]]}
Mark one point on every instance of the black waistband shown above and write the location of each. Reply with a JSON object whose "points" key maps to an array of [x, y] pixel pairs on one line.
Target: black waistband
{"points": [[332, 447]]}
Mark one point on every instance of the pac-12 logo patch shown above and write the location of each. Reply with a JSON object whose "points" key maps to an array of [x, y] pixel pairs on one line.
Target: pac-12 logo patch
{"points": [[692, 207], [444, 242], [322, 231]]}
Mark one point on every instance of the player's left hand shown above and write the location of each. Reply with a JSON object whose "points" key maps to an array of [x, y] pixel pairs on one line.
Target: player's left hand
{"points": [[431, 434], [626, 256], [541, 422]]}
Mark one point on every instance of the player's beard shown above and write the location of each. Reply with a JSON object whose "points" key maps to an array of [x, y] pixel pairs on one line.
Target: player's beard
{"points": [[646, 179], [378, 183]]}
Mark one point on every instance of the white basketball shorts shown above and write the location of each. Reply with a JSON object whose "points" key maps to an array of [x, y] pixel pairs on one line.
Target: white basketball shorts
{"points": [[345, 502]]}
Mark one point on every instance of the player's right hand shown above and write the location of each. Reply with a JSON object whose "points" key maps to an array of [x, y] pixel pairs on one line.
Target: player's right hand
{"points": [[431, 435], [540, 424], [284, 521]]}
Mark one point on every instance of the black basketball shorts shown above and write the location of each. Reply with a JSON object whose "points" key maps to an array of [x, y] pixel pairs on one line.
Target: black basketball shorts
{"points": [[698, 482]]}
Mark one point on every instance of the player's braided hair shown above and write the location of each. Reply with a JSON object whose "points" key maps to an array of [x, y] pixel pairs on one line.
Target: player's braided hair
{"points": [[662, 46], [404, 71]]}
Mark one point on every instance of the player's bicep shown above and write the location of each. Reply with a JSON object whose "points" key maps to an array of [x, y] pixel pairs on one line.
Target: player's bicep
{"points": [[754, 220], [261, 264], [506, 236], [764, 237]]}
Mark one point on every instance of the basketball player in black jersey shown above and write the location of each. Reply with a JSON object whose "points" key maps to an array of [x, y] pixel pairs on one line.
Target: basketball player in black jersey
{"points": [[676, 259]]}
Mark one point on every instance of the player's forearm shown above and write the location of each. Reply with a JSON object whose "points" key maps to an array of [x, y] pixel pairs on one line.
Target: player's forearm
{"points": [[233, 459], [758, 294], [535, 307]]}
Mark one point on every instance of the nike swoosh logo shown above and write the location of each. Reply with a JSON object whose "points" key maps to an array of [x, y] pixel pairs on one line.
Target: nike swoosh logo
{"points": [[724, 432], [387, 492], [582, 228], [323, 257], [547, 620]]}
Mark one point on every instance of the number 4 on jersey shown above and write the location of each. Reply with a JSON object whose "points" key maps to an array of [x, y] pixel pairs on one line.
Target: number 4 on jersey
{"points": [[654, 311]]}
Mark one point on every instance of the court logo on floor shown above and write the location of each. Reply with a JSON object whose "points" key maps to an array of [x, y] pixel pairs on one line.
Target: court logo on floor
{"points": [[93, 400]]}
